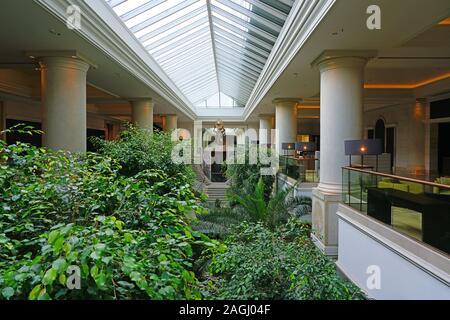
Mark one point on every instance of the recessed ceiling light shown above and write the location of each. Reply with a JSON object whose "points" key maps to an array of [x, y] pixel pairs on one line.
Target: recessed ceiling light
{"points": [[337, 32], [31, 57], [54, 32]]}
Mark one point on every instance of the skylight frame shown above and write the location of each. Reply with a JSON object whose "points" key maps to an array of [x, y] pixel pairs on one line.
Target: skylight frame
{"points": [[207, 46]]}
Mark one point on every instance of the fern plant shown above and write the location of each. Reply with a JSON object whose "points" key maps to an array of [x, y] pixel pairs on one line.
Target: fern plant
{"points": [[253, 208]]}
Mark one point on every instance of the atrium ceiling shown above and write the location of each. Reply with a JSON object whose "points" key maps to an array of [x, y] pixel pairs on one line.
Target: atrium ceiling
{"points": [[213, 50]]}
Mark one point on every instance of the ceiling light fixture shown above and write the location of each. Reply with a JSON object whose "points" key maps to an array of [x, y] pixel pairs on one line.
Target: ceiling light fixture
{"points": [[54, 32]]}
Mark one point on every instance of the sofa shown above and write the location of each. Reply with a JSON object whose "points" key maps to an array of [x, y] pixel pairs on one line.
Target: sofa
{"points": [[407, 186], [442, 180]]}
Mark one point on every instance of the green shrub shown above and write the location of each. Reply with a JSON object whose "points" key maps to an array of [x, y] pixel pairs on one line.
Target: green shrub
{"points": [[127, 234], [218, 221], [261, 264], [136, 150], [244, 177], [114, 263]]}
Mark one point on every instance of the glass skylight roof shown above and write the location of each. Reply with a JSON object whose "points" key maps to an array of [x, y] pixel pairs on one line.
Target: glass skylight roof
{"points": [[213, 50]]}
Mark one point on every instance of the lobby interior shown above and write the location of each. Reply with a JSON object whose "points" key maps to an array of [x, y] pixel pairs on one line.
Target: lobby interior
{"points": [[294, 72]]}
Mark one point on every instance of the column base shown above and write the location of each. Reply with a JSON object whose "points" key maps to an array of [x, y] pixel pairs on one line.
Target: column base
{"points": [[325, 221], [330, 251]]}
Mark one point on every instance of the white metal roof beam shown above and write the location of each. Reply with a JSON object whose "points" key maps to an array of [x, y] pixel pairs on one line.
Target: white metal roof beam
{"points": [[188, 59], [241, 55], [195, 72], [245, 24], [182, 42], [187, 54], [289, 3], [144, 24], [242, 80], [204, 94], [243, 42], [269, 9], [115, 3], [237, 66], [195, 65], [172, 24], [177, 33], [141, 9], [241, 32], [196, 78], [213, 43], [240, 49], [188, 47], [275, 27], [232, 87], [238, 61], [195, 84]]}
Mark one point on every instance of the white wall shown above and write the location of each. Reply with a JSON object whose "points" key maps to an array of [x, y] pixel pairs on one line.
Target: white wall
{"points": [[400, 278], [409, 121]]}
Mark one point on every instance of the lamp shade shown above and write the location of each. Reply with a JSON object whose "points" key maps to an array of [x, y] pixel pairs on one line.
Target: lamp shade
{"points": [[305, 146], [363, 147], [288, 145]]}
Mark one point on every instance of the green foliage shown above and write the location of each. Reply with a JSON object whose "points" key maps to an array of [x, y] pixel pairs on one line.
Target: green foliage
{"points": [[136, 150], [258, 263], [127, 233], [217, 221], [245, 176], [115, 263]]}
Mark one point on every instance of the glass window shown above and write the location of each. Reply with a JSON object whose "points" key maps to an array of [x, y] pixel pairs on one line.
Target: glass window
{"points": [[214, 50]]}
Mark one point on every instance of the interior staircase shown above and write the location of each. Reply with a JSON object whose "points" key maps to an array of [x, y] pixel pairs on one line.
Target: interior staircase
{"points": [[214, 190]]}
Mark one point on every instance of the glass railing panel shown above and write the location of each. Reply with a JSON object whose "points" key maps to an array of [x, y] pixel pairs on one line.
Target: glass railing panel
{"points": [[300, 169], [418, 209]]}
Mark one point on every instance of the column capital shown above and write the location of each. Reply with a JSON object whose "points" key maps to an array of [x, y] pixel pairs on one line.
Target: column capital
{"points": [[286, 101], [63, 62], [69, 59], [331, 59], [266, 115], [140, 99]]}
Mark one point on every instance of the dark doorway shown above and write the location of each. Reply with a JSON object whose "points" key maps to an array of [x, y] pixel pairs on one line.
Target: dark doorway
{"points": [[370, 134], [13, 137], [380, 132], [444, 149], [93, 133], [390, 144]]}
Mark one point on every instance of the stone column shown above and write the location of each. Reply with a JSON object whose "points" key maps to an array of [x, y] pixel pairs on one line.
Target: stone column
{"points": [[142, 113], [341, 118], [63, 87], [266, 124], [171, 122], [285, 122], [419, 130]]}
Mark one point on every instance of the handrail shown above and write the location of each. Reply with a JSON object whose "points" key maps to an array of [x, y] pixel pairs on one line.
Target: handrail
{"points": [[375, 173]]}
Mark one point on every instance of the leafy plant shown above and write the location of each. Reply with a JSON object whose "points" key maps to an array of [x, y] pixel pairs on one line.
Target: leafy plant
{"points": [[218, 220], [137, 150], [276, 211], [114, 263], [258, 263], [128, 235], [244, 176]]}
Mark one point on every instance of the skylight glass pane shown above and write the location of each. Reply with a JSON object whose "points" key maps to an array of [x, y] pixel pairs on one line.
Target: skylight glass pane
{"points": [[172, 18], [231, 10], [214, 51]]}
